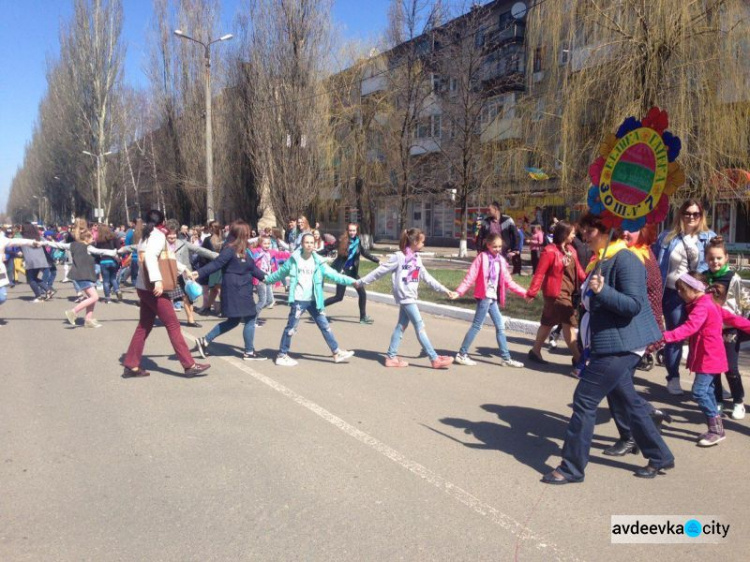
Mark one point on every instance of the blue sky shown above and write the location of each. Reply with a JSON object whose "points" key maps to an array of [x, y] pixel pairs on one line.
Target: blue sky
{"points": [[29, 34]]}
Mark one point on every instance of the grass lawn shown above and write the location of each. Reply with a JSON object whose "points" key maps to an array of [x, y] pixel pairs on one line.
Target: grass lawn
{"points": [[515, 306]]}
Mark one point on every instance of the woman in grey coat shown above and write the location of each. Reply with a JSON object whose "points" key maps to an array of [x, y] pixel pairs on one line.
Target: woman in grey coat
{"points": [[37, 262], [182, 251]]}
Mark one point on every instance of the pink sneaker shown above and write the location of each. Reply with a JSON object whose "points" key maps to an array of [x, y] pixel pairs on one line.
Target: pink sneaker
{"points": [[395, 362], [442, 362]]}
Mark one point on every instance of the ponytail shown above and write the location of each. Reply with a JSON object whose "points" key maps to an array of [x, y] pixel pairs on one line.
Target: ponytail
{"points": [[409, 237]]}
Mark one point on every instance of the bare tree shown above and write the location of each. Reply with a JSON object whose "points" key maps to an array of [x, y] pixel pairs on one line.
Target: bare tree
{"points": [[93, 52], [410, 97], [285, 45]]}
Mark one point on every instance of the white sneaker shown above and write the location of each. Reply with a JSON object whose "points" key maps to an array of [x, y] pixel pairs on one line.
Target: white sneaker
{"points": [[552, 342], [285, 361], [465, 360], [511, 363], [673, 387], [71, 316], [738, 413], [342, 355]]}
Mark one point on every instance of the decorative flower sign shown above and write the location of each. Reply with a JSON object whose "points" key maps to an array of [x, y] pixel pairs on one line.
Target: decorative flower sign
{"points": [[636, 173]]}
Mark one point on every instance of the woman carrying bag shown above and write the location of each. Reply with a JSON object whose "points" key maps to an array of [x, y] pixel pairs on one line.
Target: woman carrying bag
{"points": [[154, 303]]}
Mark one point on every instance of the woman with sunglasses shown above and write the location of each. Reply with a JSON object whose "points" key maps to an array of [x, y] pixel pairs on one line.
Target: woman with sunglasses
{"points": [[678, 251]]}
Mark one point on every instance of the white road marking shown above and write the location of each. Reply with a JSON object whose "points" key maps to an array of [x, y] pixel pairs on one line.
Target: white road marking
{"points": [[517, 529]]}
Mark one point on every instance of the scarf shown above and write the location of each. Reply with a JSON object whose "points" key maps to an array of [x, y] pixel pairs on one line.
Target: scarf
{"points": [[641, 251], [409, 261], [494, 271], [263, 260], [612, 249], [353, 249], [715, 276]]}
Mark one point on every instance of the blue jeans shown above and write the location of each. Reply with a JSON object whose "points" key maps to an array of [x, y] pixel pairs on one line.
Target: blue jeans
{"points": [[674, 315], [248, 333], [485, 306], [49, 275], [703, 394], [410, 313], [36, 282], [109, 278], [295, 313], [265, 295], [3, 294], [609, 374]]}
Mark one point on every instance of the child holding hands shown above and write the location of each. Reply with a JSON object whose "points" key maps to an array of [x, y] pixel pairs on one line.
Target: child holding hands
{"points": [[490, 276], [707, 358], [407, 270]]}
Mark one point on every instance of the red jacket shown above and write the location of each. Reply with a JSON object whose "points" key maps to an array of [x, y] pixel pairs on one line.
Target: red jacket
{"points": [[549, 272]]}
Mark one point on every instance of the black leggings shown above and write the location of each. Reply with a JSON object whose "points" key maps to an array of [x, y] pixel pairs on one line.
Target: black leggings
{"points": [[341, 289], [733, 374]]}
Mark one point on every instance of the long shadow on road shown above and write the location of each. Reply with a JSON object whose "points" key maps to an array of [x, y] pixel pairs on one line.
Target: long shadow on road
{"points": [[530, 436]]}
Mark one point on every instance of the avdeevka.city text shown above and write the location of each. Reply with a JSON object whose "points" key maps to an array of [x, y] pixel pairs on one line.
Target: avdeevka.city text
{"points": [[667, 528]]}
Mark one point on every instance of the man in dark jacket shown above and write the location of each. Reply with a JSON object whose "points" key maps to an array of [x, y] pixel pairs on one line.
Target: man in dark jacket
{"points": [[498, 223]]}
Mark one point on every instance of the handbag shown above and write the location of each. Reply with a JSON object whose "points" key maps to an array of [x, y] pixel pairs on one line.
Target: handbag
{"points": [[167, 267]]}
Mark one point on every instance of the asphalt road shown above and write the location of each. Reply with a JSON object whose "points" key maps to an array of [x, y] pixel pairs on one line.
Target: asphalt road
{"points": [[322, 461]]}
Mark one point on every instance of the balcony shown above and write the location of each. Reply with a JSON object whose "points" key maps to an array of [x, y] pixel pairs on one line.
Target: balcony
{"points": [[513, 33], [501, 130]]}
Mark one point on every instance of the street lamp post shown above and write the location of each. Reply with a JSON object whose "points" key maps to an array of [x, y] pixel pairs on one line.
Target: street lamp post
{"points": [[209, 131], [98, 158]]}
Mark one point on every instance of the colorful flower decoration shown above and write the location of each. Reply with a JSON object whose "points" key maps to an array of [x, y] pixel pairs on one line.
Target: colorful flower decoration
{"points": [[636, 172]]}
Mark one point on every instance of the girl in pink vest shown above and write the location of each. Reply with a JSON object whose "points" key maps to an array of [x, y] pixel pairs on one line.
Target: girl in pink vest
{"points": [[490, 277]]}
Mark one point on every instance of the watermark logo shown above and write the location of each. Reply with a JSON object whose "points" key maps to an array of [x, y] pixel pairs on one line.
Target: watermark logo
{"points": [[668, 529]]}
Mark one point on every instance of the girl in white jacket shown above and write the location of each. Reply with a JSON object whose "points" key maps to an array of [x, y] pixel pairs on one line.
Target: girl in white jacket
{"points": [[407, 271]]}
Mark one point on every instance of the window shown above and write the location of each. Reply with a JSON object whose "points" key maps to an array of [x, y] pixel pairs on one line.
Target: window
{"points": [[423, 128], [479, 38], [429, 127], [436, 83], [538, 59], [564, 54], [505, 21], [437, 122], [453, 86]]}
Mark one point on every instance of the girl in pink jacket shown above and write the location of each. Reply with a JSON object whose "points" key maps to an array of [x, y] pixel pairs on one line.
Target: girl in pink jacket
{"points": [[707, 357], [490, 277]]}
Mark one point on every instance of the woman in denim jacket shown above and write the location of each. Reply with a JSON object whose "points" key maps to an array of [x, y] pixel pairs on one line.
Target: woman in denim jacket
{"points": [[678, 251]]}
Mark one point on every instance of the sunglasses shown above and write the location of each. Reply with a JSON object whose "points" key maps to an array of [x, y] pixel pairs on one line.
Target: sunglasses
{"points": [[692, 215]]}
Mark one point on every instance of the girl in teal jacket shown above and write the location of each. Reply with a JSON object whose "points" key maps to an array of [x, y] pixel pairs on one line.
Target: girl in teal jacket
{"points": [[306, 271]]}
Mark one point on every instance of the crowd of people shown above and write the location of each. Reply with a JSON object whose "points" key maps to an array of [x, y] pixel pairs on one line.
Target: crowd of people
{"points": [[617, 296]]}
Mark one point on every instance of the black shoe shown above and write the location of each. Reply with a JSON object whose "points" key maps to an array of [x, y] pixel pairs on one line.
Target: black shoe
{"points": [[197, 369], [200, 345], [534, 358], [253, 357], [621, 448], [659, 417], [650, 471], [193, 325], [557, 479], [130, 373], [202, 311]]}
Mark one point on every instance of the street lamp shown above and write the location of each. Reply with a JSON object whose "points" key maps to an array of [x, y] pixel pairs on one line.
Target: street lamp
{"points": [[98, 158], [209, 132]]}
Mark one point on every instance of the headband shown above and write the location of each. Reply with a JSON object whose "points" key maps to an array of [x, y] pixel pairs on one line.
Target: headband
{"points": [[691, 281]]}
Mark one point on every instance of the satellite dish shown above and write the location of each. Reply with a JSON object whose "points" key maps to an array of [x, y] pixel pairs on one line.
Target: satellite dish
{"points": [[518, 11]]}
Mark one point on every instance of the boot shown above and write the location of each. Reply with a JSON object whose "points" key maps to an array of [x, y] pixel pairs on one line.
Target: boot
{"points": [[715, 433], [621, 448]]}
